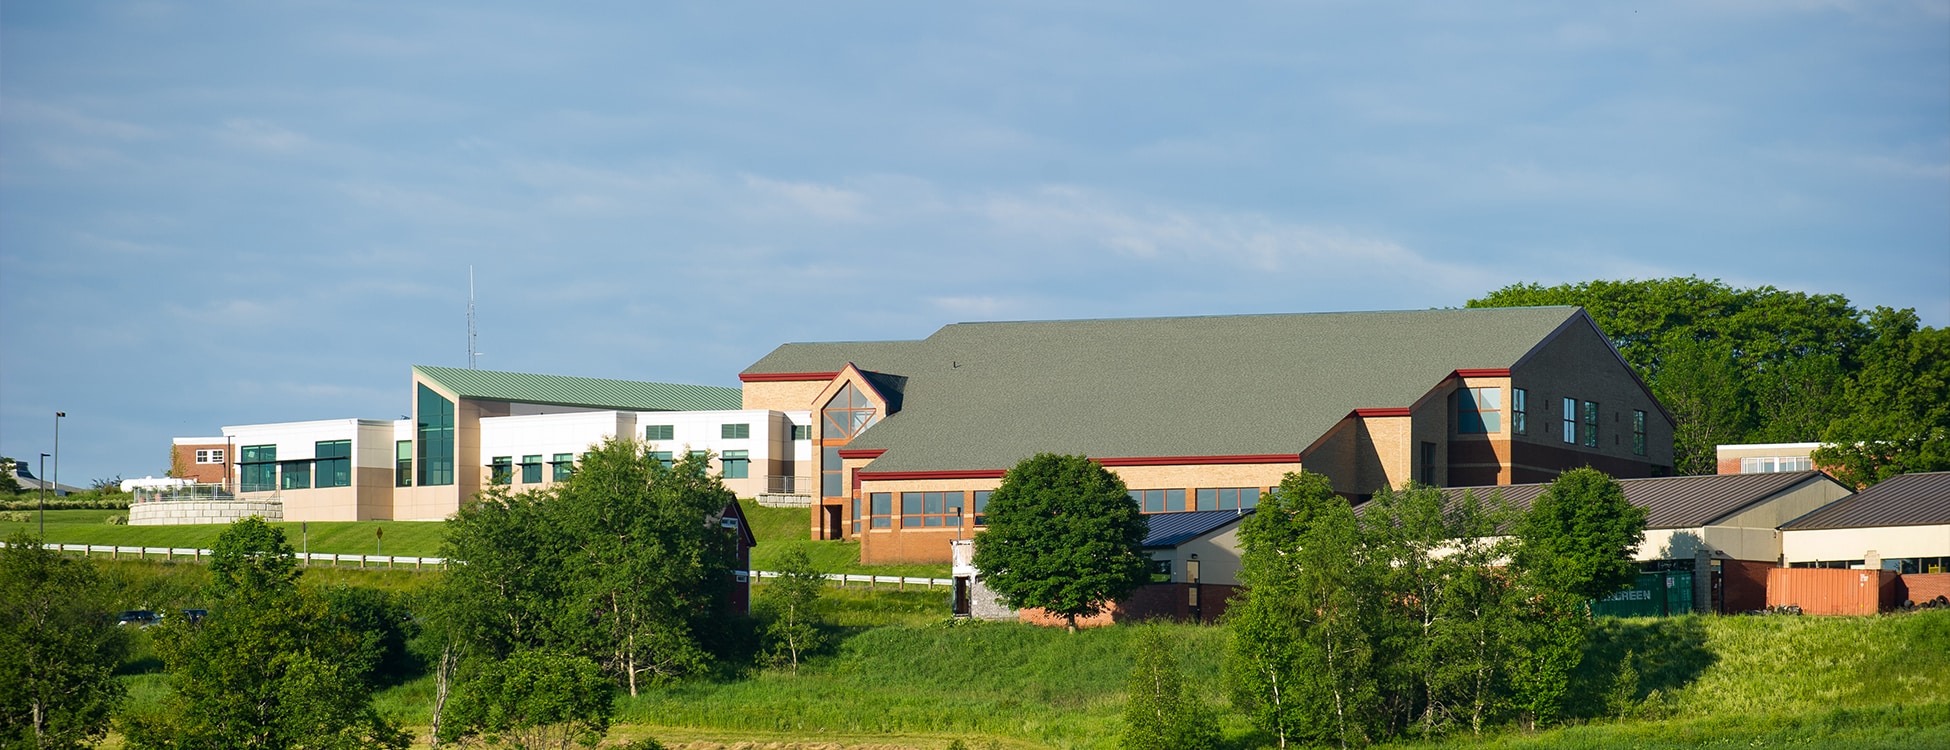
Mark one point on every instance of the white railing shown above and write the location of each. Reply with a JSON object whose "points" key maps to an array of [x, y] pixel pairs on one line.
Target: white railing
{"points": [[390, 562]]}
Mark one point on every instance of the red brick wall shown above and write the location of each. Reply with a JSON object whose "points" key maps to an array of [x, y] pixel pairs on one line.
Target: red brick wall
{"points": [[1727, 466], [185, 461], [1922, 587]]}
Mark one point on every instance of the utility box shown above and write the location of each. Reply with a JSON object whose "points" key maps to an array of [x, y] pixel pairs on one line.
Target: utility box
{"points": [[1654, 594]]}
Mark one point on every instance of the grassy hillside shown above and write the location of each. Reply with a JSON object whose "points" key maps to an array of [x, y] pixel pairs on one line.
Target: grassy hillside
{"points": [[781, 529], [410, 538], [1831, 682]]}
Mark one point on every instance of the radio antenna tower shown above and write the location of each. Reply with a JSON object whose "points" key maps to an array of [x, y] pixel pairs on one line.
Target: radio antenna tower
{"points": [[471, 353]]}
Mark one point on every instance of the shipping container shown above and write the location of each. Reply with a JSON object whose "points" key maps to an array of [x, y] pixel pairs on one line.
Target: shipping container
{"points": [[1654, 594], [1829, 591]]}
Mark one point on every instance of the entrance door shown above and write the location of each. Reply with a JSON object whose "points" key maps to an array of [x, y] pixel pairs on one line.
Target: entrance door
{"points": [[833, 522]]}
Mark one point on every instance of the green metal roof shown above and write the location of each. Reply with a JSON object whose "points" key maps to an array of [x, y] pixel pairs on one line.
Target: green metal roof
{"points": [[985, 395], [627, 395]]}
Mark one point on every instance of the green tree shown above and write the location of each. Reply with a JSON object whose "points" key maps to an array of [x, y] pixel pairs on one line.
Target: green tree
{"points": [[534, 699], [1576, 543], [1579, 536], [9, 484], [265, 669], [1064, 535], [1159, 713], [57, 685], [650, 567], [1700, 384], [1302, 648], [1899, 418], [1732, 365], [786, 607]]}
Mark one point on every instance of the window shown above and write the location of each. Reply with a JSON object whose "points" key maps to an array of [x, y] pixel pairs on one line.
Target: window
{"points": [[436, 439], [334, 463], [501, 470], [1519, 412], [531, 469], [856, 516], [802, 432], [736, 431], [847, 414], [294, 475], [1428, 464], [930, 509], [213, 456], [1479, 410], [403, 463], [830, 484], [1232, 498], [982, 507], [1571, 421], [1159, 501], [565, 465], [1773, 464], [883, 509], [1591, 423], [659, 432], [1638, 432], [663, 457], [736, 464], [258, 471]]}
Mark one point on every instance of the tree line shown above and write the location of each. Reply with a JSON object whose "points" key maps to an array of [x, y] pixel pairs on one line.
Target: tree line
{"points": [[1764, 365]]}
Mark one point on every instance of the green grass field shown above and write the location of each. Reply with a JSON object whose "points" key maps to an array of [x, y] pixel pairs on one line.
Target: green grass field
{"points": [[777, 530]]}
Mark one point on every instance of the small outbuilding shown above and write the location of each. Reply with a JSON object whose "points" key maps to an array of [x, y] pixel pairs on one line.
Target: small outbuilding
{"points": [[1901, 525]]}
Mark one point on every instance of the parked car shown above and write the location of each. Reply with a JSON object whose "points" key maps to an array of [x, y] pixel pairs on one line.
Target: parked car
{"points": [[140, 618], [195, 615]]}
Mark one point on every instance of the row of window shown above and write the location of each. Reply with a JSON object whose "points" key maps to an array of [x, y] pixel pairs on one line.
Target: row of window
{"points": [[1480, 410], [501, 469], [741, 431], [212, 456], [1904, 565], [922, 510], [1210, 498], [261, 471], [1774, 464]]}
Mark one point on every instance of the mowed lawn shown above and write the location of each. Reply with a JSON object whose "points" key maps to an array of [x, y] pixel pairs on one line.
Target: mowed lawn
{"points": [[777, 530], [408, 538]]}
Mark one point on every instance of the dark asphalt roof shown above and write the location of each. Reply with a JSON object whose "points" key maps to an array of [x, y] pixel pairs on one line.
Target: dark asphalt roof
{"points": [[1173, 529], [1905, 500], [987, 395], [1674, 502]]}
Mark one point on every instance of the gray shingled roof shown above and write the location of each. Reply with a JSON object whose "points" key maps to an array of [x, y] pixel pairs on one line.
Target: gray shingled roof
{"points": [[1673, 502], [986, 395], [1173, 529], [629, 395], [1906, 500]]}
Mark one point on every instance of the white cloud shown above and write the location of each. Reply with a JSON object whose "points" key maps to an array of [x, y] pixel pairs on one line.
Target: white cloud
{"points": [[263, 135], [824, 202]]}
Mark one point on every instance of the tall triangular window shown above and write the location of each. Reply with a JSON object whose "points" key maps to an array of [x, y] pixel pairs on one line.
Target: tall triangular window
{"points": [[847, 414]]}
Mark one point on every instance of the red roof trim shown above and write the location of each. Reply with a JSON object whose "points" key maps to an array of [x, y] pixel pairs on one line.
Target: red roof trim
{"points": [[862, 452], [892, 476], [1265, 458], [1392, 411], [783, 377], [1488, 372]]}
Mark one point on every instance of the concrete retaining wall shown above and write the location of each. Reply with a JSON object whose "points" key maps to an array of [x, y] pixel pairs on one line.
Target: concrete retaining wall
{"points": [[203, 512]]}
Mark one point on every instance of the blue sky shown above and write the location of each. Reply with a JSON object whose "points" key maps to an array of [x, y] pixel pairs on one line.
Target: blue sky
{"points": [[222, 213]]}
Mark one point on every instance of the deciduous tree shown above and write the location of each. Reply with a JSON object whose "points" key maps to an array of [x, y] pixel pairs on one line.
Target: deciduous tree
{"points": [[534, 699], [1064, 535], [57, 684], [786, 607], [1899, 418], [1159, 712]]}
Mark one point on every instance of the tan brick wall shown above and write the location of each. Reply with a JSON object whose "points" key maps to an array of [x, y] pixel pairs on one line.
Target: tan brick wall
{"points": [[791, 395]]}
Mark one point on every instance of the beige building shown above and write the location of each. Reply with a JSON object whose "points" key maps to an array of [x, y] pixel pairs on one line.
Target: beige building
{"points": [[474, 429], [1900, 524], [1204, 413]]}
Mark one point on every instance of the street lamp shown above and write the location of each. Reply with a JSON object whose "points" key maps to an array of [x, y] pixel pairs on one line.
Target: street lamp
{"points": [[57, 451], [43, 484]]}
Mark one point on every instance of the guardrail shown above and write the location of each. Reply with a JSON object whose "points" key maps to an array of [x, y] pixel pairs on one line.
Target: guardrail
{"points": [[393, 562]]}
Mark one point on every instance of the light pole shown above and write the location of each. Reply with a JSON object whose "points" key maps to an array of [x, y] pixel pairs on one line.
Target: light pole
{"points": [[43, 484], [57, 455]]}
